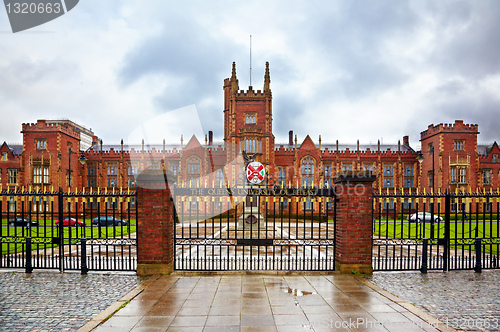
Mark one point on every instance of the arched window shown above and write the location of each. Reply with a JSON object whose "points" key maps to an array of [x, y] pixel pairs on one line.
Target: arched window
{"points": [[193, 171], [307, 172]]}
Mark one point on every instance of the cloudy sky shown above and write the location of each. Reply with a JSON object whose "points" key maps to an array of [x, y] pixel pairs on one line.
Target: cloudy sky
{"points": [[345, 70]]}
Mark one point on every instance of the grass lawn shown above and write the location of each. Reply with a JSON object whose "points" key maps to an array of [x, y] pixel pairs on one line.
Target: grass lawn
{"points": [[48, 232], [458, 230]]}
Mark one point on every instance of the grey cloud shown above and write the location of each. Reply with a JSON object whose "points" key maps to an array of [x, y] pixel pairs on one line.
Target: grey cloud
{"points": [[453, 101], [24, 77], [484, 111], [191, 62], [449, 89], [354, 39], [468, 43]]}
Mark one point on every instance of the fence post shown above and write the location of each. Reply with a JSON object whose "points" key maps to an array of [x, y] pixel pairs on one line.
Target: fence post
{"points": [[477, 244], [155, 226], [447, 213], [354, 229], [60, 205], [423, 268], [29, 263], [83, 256]]}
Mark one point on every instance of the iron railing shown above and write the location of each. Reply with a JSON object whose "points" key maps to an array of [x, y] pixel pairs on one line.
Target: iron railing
{"points": [[254, 228], [33, 237], [448, 231]]}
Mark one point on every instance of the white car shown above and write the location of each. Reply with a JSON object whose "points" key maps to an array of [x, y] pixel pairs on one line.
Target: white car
{"points": [[423, 216]]}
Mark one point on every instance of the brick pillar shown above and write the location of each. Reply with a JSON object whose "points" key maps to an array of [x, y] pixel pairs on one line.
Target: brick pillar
{"points": [[353, 239], [155, 237]]}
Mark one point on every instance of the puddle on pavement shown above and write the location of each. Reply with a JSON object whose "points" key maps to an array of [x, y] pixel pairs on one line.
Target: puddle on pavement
{"points": [[297, 292]]}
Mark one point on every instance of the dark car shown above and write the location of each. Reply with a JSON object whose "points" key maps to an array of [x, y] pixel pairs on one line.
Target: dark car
{"points": [[71, 222], [22, 222], [108, 221]]}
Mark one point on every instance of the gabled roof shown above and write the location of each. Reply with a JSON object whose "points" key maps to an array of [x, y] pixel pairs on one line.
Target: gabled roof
{"points": [[15, 149], [485, 149]]}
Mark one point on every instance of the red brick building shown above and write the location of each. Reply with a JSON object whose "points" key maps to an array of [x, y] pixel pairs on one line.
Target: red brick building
{"points": [[44, 162]]}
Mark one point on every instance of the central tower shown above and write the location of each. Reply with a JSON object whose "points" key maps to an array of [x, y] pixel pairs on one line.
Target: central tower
{"points": [[248, 120]]}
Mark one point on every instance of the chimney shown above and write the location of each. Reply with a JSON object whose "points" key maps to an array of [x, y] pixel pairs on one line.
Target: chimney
{"points": [[290, 137], [210, 137], [406, 140]]}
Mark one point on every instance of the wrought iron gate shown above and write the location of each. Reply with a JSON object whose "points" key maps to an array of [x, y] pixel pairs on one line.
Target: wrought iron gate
{"points": [[91, 230], [254, 228], [436, 232]]}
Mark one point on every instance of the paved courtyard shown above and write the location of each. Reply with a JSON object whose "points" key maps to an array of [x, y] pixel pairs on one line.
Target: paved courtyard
{"points": [[265, 303], [466, 300], [51, 301]]}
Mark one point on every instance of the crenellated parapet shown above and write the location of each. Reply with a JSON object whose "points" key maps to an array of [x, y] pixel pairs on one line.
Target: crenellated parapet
{"points": [[250, 93], [43, 126], [282, 149], [457, 127], [367, 153], [217, 149]]}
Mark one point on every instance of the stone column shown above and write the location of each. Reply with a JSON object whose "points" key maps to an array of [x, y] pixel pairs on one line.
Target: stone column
{"points": [[155, 227], [353, 239]]}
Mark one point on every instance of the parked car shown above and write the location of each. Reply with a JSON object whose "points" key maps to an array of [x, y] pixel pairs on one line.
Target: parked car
{"points": [[71, 222], [23, 222], [108, 221], [423, 216]]}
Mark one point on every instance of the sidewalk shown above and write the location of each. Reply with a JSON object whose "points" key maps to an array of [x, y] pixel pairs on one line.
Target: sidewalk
{"points": [[263, 303], [464, 299], [54, 301]]}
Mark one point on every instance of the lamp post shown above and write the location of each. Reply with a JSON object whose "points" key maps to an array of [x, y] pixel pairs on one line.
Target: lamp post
{"points": [[433, 176], [420, 159], [82, 159]]}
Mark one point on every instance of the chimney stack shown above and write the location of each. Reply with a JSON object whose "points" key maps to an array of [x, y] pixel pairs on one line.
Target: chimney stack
{"points": [[290, 137], [210, 137], [406, 140]]}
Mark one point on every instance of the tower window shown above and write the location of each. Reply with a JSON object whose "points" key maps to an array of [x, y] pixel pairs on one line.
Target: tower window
{"points": [[41, 144], [251, 145], [250, 119], [458, 145]]}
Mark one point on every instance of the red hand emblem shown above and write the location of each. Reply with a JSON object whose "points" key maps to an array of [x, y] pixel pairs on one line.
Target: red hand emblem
{"points": [[252, 172]]}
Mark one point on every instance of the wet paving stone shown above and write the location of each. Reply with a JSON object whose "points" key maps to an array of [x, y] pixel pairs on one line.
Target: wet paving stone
{"points": [[51, 301], [465, 300]]}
